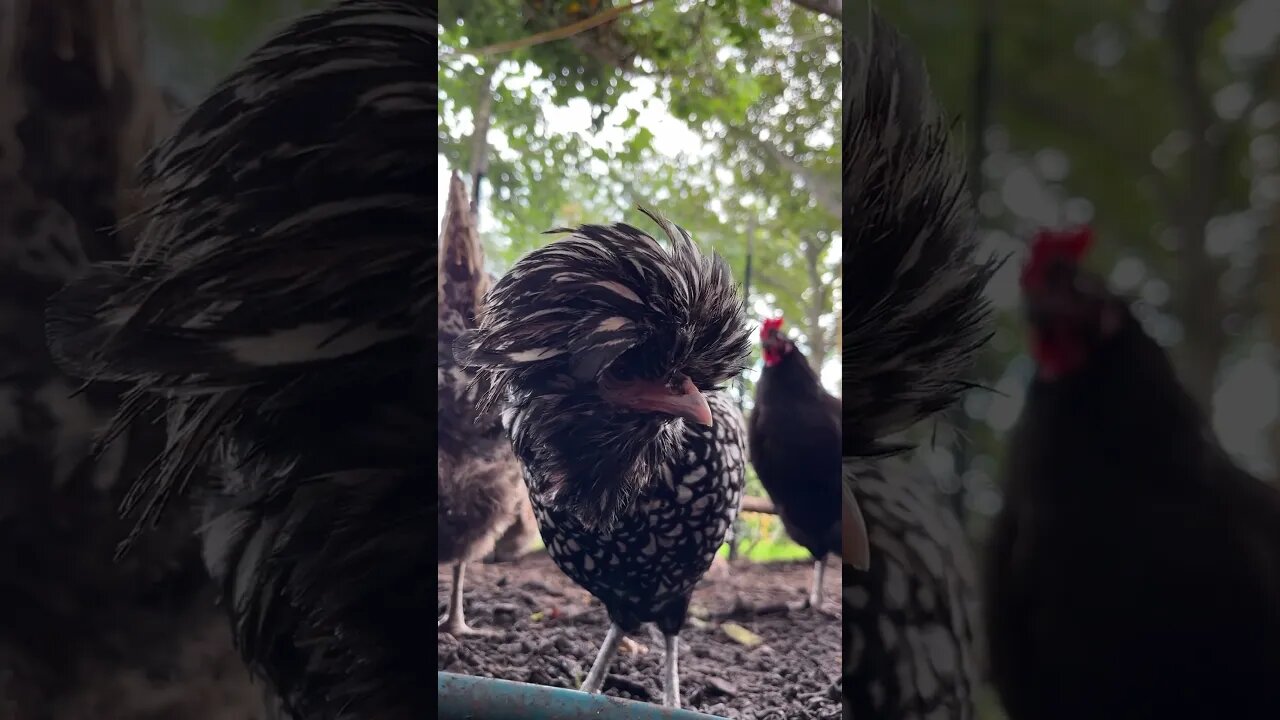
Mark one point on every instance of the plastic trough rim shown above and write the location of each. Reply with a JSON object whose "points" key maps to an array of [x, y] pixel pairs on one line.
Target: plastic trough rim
{"points": [[462, 697]]}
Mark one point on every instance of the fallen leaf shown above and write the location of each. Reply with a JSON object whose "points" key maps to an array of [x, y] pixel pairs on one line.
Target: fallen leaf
{"points": [[741, 635], [631, 647]]}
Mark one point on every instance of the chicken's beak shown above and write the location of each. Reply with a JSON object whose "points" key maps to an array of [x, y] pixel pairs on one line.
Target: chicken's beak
{"points": [[856, 546], [685, 401]]}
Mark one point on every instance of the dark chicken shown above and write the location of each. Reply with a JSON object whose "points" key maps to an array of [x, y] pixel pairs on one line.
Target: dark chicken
{"points": [[913, 319], [479, 486], [1134, 571], [794, 437], [606, 353], [278, 304]]}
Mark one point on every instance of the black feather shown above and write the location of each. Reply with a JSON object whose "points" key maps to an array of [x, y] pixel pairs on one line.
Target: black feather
{"points": [[915, 317], [278, 304]]}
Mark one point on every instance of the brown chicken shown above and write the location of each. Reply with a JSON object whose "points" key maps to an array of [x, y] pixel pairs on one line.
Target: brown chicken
{"points": [[482, 496]]}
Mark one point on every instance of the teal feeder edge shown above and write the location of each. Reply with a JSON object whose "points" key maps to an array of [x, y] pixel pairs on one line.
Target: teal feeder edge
{"points": [[465, 697]]}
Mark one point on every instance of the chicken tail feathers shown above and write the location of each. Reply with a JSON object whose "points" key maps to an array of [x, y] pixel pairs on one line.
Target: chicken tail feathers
{"points": [[917, 317]]}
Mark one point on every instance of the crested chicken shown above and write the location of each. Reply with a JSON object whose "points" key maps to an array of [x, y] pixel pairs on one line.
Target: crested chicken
{"points": [[605, 353], [277, 308], [913, 320]]}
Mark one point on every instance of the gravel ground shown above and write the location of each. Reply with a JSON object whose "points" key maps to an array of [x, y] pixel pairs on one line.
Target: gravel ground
{"points": [[546, 630]]}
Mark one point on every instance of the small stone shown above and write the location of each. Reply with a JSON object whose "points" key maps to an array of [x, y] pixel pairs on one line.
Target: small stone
{"points": [[723, 687]]}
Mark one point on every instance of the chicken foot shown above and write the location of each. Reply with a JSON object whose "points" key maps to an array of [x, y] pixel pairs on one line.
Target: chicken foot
{"points": [[455, 621], [600, 668]]}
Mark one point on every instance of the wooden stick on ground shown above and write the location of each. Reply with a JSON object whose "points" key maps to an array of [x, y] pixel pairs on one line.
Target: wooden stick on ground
{"points": [[750, 503]]}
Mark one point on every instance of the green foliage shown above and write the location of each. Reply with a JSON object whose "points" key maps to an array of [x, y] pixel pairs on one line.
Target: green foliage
{"points": [[763, 539], [1093, 82], [665, 106]]}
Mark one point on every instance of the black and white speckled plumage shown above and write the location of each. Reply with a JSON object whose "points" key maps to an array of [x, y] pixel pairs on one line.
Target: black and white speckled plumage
{"points": [[277, 304], [911, 621], [632, 503], [913, 316], [913, 320], [645, 567]]}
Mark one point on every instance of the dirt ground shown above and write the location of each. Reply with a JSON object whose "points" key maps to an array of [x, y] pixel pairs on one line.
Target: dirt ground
{"points": [[548, 630]]}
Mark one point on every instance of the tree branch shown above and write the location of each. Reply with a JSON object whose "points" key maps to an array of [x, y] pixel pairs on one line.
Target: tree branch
{"points": [[1049, 111], [559, 33], [776, 287], [750, 503], [830, 8], [825, 193], [1199, 302]]}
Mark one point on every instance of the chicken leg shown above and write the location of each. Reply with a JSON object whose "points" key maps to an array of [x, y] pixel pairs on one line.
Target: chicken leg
{"points": [[813, 600], [670, 673], [600, 668], [455, 621], [815, 594]]}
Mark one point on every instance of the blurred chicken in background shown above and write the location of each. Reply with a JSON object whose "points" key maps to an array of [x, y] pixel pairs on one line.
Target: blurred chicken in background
{"points": [[794, 438], [83, 636], [1134, 569], [482, 496]]}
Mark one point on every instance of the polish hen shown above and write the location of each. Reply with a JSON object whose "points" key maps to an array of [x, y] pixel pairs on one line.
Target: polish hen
{"points": [[277, 305], [913, 319], [606, 353], [1134, 571], [794, 437], [479, 486]]}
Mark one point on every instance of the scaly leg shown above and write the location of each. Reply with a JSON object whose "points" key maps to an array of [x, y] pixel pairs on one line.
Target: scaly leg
{"points": [[671, 674], [455, 622], [600, 668], [815, 595]]}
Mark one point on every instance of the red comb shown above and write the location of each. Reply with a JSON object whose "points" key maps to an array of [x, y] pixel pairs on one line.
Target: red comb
{"points": [[1046, 245], [769, 324]]}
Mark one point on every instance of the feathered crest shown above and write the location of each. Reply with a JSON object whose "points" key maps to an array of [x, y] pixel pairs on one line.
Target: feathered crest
{"points": [[285, 277], [579, 304], [915, 316], [285, 245], [281, 231], [1048, 246], [602, 304]]}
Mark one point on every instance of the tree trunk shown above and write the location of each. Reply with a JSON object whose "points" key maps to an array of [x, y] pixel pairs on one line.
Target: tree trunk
{"points": [[76, 115], [814, 308], [983, 75], [483, 114], [1270, 291], [1199, 300]]}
